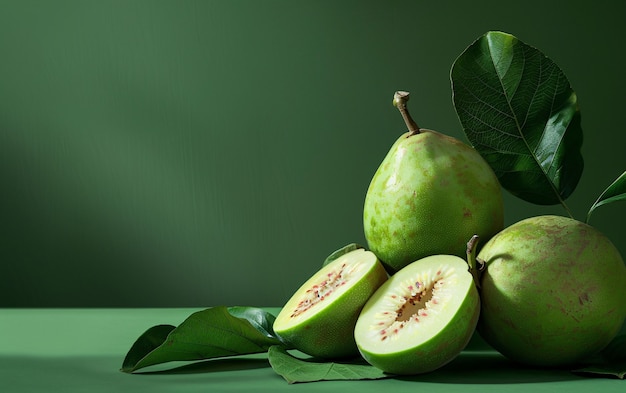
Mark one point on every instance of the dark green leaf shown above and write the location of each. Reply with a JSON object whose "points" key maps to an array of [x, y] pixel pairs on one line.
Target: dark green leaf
{"points": [[261, 320], [342, 251], [295, 370], [610, 363], [207, 334], [150, 340], [615, 192], [519, 111]]}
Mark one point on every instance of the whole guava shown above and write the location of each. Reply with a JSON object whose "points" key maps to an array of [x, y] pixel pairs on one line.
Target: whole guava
{"points": [[429, 195], [553, 291]]}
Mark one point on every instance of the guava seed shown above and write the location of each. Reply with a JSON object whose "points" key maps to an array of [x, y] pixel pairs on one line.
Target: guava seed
{"points": [[412, 305], [319, 292]]}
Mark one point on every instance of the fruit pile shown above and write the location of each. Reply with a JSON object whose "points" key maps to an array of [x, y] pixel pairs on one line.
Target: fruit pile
{"points": [[440, 265], [546, 291]]}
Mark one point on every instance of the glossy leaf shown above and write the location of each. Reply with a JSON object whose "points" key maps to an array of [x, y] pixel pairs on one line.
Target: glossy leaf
{"points": [[261, 320], [150, 340], [520, 113], [615, 192], [296, 370], [207, 334]]}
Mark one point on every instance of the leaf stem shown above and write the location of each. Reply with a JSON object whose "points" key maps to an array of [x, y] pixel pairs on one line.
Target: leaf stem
{"points": [[400, 99], [569, 212]]}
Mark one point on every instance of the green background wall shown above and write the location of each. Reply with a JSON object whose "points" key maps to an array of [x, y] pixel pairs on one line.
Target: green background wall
{"points": [[198, 153]]}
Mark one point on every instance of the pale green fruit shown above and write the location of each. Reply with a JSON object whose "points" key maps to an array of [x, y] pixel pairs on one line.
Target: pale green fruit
{"points": [[319, 318], [553, 292], [429, 195], [421, 318]]}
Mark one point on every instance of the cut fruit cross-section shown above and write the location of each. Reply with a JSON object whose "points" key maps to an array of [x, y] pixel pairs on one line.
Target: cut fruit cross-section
{"points": [[319, 318], [421, 318]]}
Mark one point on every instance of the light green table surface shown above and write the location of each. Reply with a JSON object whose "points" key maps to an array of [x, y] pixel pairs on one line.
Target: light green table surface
{"points": [[81, 350]]}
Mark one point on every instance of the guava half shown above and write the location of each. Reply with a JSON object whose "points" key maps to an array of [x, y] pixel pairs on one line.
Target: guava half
{"points": [[421, 318], [319, 318]]}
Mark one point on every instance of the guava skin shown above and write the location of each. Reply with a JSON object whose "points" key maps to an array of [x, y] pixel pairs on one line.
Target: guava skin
{"points": [[553, 291], [430, 194]]}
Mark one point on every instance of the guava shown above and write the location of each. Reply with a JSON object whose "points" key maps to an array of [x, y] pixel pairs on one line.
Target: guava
{"points": [[429, 195], [553, 291], [319, 318], [421, 318]]}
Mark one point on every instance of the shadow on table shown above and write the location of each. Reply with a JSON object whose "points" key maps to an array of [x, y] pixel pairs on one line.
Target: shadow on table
{"points": [[489, 367], [470, 367], [212, 366]]}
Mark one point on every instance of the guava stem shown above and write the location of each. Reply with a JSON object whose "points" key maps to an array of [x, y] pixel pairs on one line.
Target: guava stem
{"points": [[400, 99], [472, 261]]}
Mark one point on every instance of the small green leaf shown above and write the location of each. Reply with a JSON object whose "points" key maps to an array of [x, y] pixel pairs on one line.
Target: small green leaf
{"points": [[261, 320], [342, 251], [296, 370], [610, 363], [615, 192], [150, 340], [207, 334], [520, 113]]}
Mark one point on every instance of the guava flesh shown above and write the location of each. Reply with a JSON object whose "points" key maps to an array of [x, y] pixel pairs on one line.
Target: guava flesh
{"points": [[319, 318], [435, 339]]}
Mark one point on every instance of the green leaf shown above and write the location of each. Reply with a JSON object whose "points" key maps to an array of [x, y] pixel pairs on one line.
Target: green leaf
{"points": [[520, 113], [615, 192], [610, 363], [261, 320], [296, 370], [342, 251], [211, 333], [150, 340]]}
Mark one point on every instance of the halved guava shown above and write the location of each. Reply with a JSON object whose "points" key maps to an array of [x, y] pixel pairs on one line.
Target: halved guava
{"points": [[421, 318], [319, 318]]}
